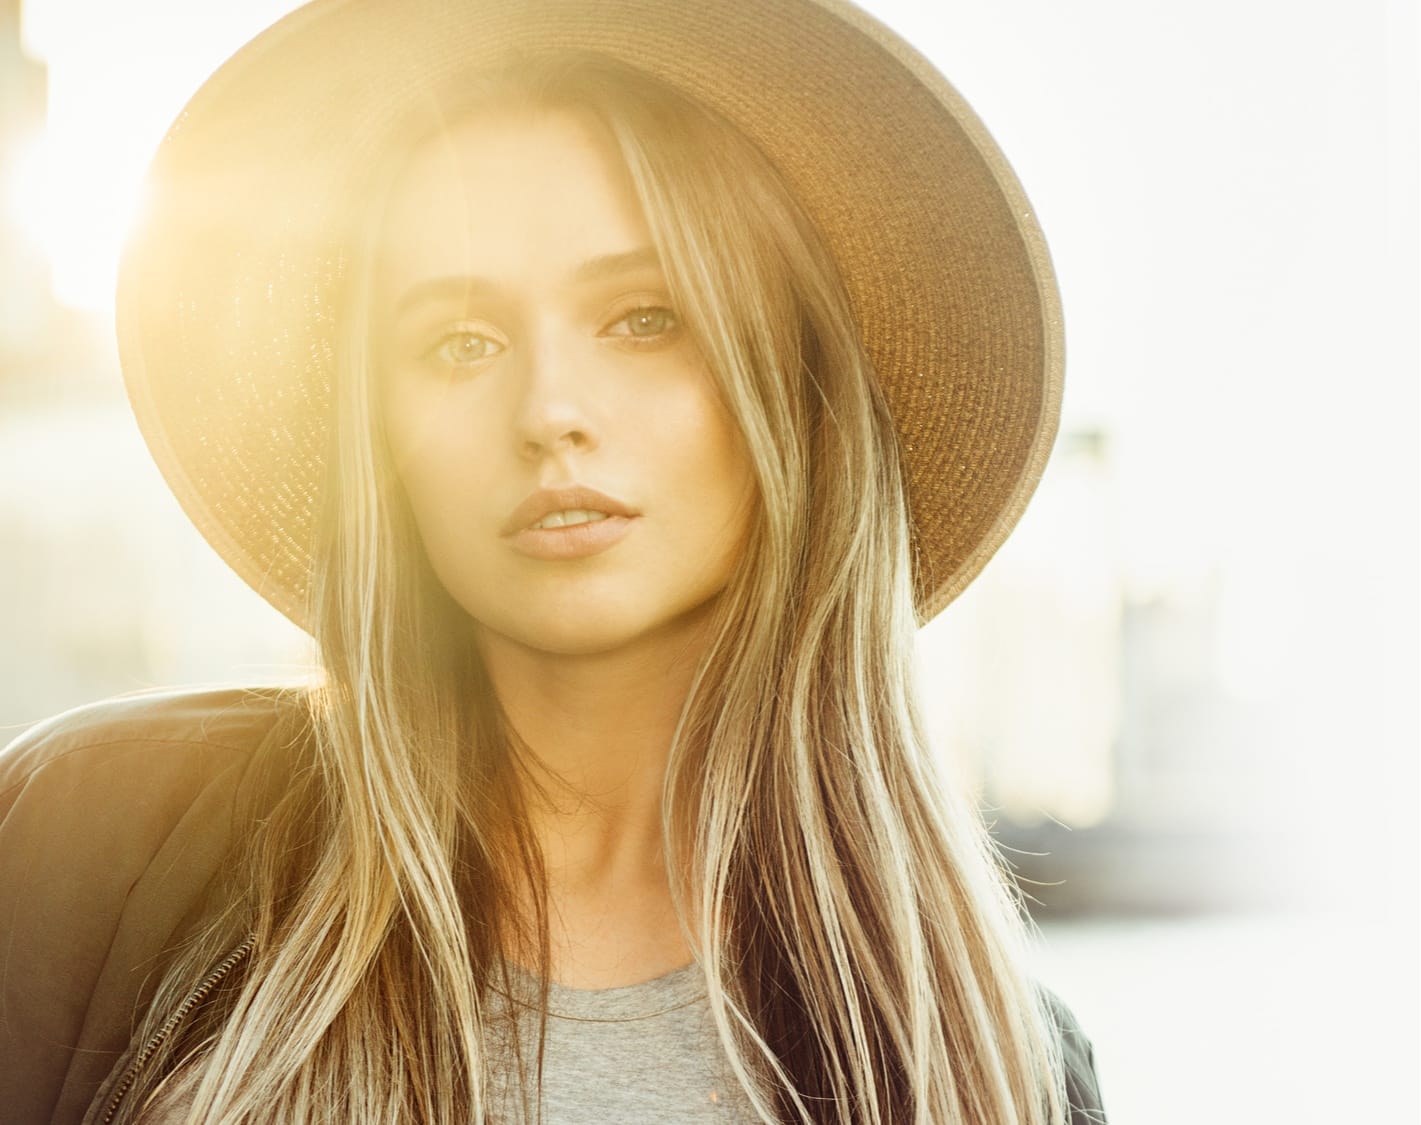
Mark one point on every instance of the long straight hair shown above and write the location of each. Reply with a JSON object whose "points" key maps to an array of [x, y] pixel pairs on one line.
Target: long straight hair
{"points": [[863, 948]]}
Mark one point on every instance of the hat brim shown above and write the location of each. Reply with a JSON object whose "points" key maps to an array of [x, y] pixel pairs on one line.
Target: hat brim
{"points": [[226, 291]]}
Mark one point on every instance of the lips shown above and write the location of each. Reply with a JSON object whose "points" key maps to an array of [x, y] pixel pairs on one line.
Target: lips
{"points": [[548, 502], [566, 518], [567, 523]]}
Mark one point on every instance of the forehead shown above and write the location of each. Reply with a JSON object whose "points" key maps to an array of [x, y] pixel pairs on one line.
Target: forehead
{"points": [[516, 194]]}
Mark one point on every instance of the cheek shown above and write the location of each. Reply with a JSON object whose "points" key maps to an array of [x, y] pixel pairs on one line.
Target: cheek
{"points": [[435, 443], [729, 454], [443, 477], [443, 489], [737, 488], [722, 476]]}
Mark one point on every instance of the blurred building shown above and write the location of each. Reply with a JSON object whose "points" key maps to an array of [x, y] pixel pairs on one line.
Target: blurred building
{"points": [[1115, 765]]}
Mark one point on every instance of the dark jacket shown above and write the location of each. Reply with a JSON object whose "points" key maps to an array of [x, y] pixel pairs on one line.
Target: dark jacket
{"points": [[114, 819]]}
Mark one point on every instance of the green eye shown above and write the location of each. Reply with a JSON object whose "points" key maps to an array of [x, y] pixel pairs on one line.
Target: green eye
{"points": [[460, 348], [645, 322]]}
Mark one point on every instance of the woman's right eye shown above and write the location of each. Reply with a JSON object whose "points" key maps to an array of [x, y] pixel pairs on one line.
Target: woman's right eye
{"points": [[459, 349]]}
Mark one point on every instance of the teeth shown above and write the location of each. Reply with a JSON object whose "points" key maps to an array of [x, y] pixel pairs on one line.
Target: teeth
{"points": [[569, 518]]}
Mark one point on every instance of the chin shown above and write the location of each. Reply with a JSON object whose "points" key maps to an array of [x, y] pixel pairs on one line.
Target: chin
{"points": [[585, 640], [583, 629], [600, 631]]}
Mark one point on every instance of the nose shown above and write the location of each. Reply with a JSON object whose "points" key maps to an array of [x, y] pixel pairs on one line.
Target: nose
{"points": [[553, 414]]}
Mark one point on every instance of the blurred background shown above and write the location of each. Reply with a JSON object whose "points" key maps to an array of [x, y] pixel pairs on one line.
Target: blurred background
{"points": [[1187, 688]]}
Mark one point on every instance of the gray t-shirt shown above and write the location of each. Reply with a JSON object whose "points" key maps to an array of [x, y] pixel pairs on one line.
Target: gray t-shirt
{"points": [[648, 1053], [641, 1053]]}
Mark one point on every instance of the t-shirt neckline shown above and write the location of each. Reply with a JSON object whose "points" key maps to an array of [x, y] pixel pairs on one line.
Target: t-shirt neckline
{"points": [[675, 989]]}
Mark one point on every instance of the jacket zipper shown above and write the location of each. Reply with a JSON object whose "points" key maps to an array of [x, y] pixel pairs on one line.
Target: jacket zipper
{"points": [[194, 998]]}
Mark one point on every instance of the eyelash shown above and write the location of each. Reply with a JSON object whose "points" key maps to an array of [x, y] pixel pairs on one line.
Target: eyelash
{"points": [[629, 338]]}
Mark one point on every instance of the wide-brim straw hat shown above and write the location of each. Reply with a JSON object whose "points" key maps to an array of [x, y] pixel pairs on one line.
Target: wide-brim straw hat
{"points": [[228, 284]]}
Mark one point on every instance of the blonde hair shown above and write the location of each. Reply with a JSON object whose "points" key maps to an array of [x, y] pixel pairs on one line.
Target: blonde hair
{"points": [[863, 950]]}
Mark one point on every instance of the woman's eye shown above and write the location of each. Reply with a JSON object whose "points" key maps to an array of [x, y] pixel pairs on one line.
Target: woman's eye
{"points": [[464, 347], [644, 323]]}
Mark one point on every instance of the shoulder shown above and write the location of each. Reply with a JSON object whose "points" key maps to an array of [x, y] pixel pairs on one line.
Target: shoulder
{"points": [[150, 728], [97, 791], [93, 794], [1078, 1061], [124, 772], [114, 820]]}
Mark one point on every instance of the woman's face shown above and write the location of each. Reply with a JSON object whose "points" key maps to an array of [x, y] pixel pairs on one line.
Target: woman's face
{"points": [[577, 482]]}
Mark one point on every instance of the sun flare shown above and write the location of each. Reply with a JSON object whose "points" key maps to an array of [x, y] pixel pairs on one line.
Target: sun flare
{"points": [[117, 76]]}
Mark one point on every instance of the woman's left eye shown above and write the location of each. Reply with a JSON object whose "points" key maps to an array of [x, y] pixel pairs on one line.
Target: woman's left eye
{"points": [[643, 323]]}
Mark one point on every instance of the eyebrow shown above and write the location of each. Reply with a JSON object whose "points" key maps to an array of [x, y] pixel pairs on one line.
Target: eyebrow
{"points": [[601, 268], [612, 265]]}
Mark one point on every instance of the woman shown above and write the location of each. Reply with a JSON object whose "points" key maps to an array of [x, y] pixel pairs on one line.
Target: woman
{"points": [[610, 389]]}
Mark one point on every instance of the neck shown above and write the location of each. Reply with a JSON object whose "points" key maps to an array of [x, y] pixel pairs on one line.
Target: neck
{"points": [[596, 732], [596, 727]]}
